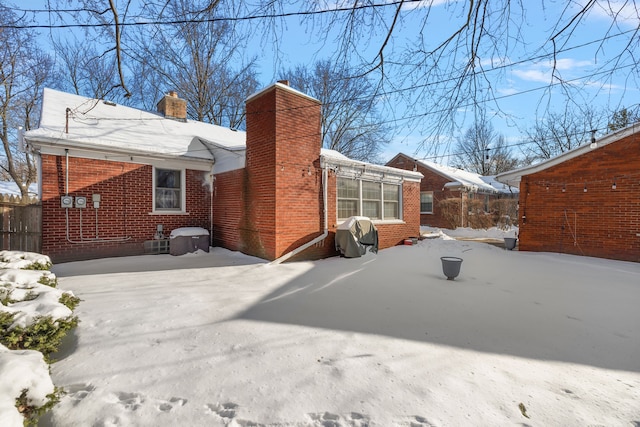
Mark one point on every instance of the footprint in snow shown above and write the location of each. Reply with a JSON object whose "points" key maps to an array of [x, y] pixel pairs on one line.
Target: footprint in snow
{"points": [[328, 419], [77, 392], [223, 410], [169, 405], [130, 401]]}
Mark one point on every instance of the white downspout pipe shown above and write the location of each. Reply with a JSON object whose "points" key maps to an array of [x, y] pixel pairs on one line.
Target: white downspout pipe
{"points": [[326, 224]]}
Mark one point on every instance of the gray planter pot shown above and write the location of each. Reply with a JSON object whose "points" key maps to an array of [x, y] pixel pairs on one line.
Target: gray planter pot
{"points": [[510, 243], [451, 266]]}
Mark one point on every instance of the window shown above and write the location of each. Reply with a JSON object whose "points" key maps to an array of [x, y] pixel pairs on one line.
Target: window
{"points": [[426, 202], [168, 190], [371, 199], [391, 201], [348, 198]]}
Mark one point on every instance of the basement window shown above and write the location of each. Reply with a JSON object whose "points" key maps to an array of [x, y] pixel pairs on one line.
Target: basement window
{"points": [[168, 190], [376, 200]]}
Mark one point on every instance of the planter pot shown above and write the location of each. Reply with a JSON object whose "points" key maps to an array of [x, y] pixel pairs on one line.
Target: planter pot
{"points": [[451, 266], [510, 243]]}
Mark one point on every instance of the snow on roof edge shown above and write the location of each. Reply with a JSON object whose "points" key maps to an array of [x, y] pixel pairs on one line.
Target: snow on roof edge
{"points": [[335, 157], [515, 175]]}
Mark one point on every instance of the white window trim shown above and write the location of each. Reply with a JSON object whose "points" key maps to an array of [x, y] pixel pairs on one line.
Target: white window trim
{"points": [[183, 193], [399, 220]]}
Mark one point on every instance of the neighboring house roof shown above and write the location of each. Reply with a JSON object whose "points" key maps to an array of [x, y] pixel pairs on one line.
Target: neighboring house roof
{"points": [[468, 181], [513, 177], [97, 125]]}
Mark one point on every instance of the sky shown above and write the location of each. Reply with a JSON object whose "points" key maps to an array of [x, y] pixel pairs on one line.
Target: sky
{"points": [[224, 339], [519, 81], [521, 88]]}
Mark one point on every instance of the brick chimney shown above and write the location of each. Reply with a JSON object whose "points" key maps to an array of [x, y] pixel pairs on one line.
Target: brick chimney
{"points": [[173, 107], [283, 189]]}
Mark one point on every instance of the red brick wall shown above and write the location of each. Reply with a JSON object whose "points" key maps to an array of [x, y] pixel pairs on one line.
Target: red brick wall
{"points": [[282, 192], [126, 201], [389, 234], [431, 182], [601, 222]]}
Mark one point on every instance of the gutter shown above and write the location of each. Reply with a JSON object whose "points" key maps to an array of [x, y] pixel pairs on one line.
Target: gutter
{"points": [[326, 224]]}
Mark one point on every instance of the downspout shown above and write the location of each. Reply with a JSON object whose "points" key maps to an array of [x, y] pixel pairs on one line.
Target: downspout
{"points": [[66, 171], [326, 224]]}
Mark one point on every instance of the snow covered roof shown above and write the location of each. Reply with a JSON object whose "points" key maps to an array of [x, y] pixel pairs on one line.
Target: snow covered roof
{"points": [[467, 180], [103, 129], [347, 167], [95, 124], [281, 86], [513, 177]]}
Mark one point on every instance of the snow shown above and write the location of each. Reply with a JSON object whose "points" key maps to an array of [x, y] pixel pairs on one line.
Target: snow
{"points": [[188, 231], [25, 369], [469, 180], [95, 123], [19, 370], [224, 339]]}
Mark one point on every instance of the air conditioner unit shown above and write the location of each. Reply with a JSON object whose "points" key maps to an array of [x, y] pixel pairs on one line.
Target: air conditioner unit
{"points": [[66, 201], [81, 202]]}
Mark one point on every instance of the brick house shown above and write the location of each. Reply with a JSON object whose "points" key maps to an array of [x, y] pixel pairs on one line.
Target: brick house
{"points": [[115, 180], [585, 201], [466, 189]]}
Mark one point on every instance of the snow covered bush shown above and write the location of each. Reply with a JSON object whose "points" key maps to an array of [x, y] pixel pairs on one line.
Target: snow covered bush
{"points": [[34, 318], [24, 260], [26, 389]]}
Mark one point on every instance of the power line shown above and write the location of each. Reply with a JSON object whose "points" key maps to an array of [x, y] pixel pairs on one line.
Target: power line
{"points": [[202, 20]]}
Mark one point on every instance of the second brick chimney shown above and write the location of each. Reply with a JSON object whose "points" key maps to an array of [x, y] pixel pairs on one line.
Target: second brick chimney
{"points": [[173, 107]]}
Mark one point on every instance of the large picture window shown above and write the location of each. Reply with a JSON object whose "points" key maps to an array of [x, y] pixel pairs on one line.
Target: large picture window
{"points": [[379, 201], [426, 202], [168, 190]]}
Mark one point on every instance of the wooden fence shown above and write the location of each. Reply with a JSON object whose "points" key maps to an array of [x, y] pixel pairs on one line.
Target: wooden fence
{"points": [[21, 224]]}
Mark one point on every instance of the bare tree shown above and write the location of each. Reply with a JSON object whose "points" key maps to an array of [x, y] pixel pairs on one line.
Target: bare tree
{"points": [[482, 150], [199, 57], [24, 70], [82, 70], [351, 124], [560, 132], [438, 74], [622, 118]]}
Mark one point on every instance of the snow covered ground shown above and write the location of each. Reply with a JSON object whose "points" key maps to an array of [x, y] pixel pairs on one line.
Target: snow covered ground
{"points": [[223, 339]]}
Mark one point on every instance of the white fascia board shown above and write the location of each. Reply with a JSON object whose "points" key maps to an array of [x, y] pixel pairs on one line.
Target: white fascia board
{"points": [[46, 146], [368, 171], [513, 177]]}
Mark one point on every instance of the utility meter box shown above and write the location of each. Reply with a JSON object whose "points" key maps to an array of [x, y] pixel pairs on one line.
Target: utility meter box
{"points": [[66, 201], [81, 202]]}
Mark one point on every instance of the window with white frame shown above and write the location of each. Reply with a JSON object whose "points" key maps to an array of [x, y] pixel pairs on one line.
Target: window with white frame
{"points": [[426, 202], [348, 198], [168, 187], [380, 201], [391, 201]]}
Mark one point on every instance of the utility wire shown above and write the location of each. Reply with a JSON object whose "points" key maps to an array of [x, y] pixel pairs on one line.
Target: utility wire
{"points": [[207, 20]]}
